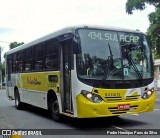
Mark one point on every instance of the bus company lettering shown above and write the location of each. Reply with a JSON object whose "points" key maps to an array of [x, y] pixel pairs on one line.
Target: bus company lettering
{"points": [[112, 95], [113, 37], [33, 81]]}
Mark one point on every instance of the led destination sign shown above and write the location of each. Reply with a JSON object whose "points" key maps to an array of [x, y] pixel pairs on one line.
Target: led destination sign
{"points": [[112, 36]]}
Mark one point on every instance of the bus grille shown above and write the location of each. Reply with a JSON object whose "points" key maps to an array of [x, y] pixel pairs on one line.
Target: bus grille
{"points": [[135, 97], [113, 98], [115, 110], [118, 99]]}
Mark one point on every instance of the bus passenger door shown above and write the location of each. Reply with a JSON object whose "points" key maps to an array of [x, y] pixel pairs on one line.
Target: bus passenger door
{"points": [[66, 77]]}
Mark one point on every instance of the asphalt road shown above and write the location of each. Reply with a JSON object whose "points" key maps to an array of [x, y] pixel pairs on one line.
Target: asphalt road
{"points": [[36, 118]]}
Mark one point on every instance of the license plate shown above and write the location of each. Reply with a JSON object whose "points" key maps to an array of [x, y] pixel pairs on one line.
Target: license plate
{"points": [[123, 106]]}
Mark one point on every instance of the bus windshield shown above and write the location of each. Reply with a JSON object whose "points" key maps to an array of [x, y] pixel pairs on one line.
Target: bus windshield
{"points": [[113, 55]]}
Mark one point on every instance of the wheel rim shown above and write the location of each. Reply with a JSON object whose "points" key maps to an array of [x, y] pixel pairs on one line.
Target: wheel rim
{"points": [[55, 107]]}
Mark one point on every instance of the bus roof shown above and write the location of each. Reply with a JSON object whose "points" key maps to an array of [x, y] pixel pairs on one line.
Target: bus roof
{"points": [[65, 31]]}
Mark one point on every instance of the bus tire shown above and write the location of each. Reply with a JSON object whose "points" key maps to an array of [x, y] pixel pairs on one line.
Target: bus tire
{"points": [[18, 103], [54, 110]]}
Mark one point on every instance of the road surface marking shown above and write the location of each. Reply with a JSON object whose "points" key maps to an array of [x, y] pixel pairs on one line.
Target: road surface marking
{"points": [[119, 128], [135, 114], [123, 129], [157, 109]]}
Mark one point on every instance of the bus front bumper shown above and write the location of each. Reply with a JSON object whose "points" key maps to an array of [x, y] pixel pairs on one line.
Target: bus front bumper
{"points": [[88, 109]]}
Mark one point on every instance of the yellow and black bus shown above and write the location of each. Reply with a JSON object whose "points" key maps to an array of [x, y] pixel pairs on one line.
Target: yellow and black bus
{"points": [[83, 72]]}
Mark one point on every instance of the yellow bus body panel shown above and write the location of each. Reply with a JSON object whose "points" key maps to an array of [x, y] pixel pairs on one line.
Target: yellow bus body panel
{"points": [[88, 109], [38, 81]]}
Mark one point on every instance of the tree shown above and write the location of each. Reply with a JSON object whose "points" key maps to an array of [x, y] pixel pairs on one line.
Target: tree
{"points": [[15, 44], [153, 31], [132, 5]]}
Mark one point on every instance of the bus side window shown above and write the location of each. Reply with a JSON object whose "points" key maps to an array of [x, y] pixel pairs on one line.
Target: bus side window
{"points": [[28, 60], [19, 61], [50, 63], [27, 66], [38, 65], [19, 66], [38, 57], [51, 54], [14, 63]]}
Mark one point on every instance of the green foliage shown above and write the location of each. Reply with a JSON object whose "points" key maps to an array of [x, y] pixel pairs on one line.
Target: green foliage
{"points": [[153, 31], [15, 44], [132, 5]]}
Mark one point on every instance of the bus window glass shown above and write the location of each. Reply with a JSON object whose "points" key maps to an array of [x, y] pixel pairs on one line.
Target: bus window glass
{"points": [[96, 49], [136, 51], [19, 61], [14, 63], [38, 60], [111, 55], [28, 60], [51, 54]]}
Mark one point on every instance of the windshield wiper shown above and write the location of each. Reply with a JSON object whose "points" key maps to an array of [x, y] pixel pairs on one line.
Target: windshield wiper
{"points": [[135, 68], [110, 62], [127, 50]]}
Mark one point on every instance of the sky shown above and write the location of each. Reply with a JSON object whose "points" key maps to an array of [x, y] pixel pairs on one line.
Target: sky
{"points": [[27, 20]]}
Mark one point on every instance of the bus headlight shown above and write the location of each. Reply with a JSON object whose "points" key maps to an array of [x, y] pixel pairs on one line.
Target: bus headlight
{"points": [[91, 96], [147, 94]]}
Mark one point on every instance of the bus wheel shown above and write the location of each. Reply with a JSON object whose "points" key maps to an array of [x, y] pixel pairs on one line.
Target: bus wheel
{"points": [[18, 103], [54, 109]]}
